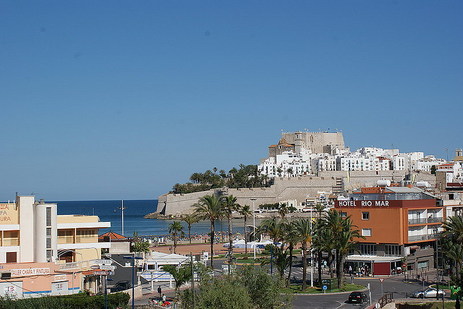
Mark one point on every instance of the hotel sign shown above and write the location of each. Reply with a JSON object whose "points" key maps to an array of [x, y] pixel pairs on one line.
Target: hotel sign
{"points": [[29, 272], [363, 203]]}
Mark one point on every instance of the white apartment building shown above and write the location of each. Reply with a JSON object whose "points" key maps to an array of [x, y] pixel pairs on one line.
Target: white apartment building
{"points": [[427, 163], [42, 253], [291, 158], [32, 232]]}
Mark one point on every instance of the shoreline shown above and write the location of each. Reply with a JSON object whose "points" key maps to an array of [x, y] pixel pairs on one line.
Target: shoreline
{"points": [[159, 216]]}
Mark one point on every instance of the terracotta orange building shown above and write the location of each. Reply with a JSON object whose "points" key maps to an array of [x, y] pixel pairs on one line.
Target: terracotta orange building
{"points": [[398, 223]]}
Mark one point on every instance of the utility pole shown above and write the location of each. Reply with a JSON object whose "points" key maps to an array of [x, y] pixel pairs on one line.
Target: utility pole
{"points": [[311, 253], [122, 215], [192, 280], [254, 224]]}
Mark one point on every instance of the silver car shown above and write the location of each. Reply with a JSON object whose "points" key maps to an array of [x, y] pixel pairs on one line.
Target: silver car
{"points": [[429, 293]]}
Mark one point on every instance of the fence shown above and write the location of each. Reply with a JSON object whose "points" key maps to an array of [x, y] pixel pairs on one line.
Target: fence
{"points": [[386, 299]]}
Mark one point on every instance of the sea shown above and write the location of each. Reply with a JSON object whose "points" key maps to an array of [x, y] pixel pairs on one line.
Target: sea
{"points": [[134, 221]]}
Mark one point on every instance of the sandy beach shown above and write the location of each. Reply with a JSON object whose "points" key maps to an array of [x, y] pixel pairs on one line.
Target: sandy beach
{"points": [[186, 249]]}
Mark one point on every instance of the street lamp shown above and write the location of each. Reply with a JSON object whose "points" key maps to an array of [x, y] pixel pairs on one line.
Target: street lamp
{"points": [[311, 253], [254, 224], [133, 258]]}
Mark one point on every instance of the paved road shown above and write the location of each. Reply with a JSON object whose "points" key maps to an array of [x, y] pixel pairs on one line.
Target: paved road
{"points": [[395, 285]]}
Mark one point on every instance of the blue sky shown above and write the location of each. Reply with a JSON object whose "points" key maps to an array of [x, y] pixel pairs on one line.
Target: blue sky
{"points": [[123, 99]]}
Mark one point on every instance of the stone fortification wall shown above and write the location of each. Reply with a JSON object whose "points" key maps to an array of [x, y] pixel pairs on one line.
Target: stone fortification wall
{"points": [[315, 141], [297, 188], [293, 188], [358, 179]]}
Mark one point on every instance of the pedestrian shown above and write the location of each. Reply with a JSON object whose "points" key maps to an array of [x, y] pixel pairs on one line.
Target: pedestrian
{"points": [[159, 291], [164, 297]]}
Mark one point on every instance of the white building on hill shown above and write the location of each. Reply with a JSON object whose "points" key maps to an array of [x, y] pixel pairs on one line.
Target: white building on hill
{"points": [[306, 153]]}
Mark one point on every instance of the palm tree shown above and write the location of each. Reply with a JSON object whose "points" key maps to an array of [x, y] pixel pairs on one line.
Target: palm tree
{"points": [[274, 228], [176, 230], [209, 208], [346, 240], [452, 240], [245, 211], [333, 228], [281, 259], [303, 227], [291, 238], [190, 219], [454, 227], [320, 241], [229, 205]]}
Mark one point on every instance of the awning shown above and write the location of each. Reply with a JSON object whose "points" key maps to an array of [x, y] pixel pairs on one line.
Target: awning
{"points": [[372, 258]]}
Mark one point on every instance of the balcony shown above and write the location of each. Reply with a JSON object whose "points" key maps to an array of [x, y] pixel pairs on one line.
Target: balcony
{"points": [[421, 237], [417, 221], [425, 220], [435, 219], [76, 266]]}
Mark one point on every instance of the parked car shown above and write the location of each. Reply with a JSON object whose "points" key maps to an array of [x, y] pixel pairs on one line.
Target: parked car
{"points": [[429, 293], [121, 286], [357, 297]]}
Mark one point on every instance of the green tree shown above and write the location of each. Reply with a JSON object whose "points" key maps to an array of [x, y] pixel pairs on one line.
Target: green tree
{"points": [[264, 290], [332, 227], [281, 259], [346, 240], [182, 274], [229, 205], [245, 211], [210, 208], [320, 240], [176, 230], [284, 209], [141, 247], [250, 287], [274, 228], [190, 219], [303, 228], [452, 244], [291, 238]]}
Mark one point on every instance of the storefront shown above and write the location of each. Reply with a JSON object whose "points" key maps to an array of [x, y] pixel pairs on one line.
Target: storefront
{"points": [[362, 265]]}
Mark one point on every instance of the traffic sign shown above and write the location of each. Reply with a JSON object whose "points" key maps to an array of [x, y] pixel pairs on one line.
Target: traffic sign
{"points": [[101, 273], [102, 262], [325, 288], [107, 267]]}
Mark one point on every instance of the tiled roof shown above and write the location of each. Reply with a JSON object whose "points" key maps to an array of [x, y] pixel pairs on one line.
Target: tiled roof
{"points": [[111, 236]]}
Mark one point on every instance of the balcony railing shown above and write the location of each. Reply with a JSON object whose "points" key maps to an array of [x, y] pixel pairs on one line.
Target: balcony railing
{"points": [[425, 220], [417, 221], [421, 237], [82, 265], [435, 219]]}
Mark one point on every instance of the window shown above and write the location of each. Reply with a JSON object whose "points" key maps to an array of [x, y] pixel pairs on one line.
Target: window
{"points": [[367, 249], [366, 232], [392, 250], [365, 215], [48, 213], [49, 255]]}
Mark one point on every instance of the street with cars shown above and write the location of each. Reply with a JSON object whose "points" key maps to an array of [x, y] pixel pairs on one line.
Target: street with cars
{"points": [[396, 285]]}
